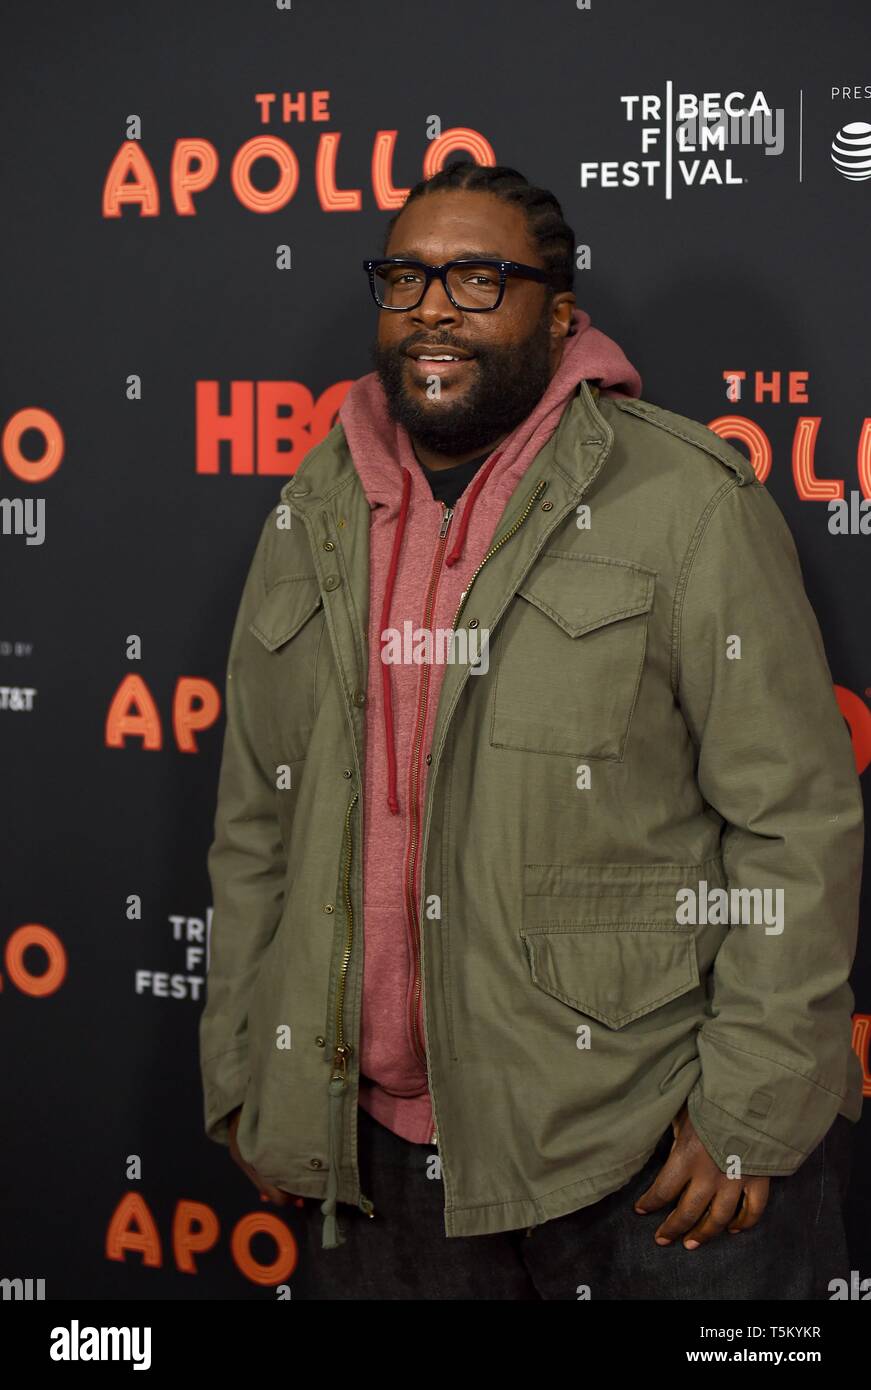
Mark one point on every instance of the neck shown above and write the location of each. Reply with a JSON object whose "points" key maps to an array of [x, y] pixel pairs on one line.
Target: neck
{"points": [[431, 459]]}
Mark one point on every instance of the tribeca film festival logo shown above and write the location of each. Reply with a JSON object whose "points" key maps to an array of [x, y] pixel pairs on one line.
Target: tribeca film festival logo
{"points": [[193, 934], [685, 136], [418, 646]]}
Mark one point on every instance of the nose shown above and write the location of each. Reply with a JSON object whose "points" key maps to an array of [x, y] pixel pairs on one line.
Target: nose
{"points": [[436, 307]]}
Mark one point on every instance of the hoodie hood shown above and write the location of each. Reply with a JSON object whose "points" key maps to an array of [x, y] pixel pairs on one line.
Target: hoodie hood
{"points": [[381, 447]]}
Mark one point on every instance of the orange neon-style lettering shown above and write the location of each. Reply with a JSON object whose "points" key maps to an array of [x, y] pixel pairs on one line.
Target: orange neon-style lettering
{"points": [[133, 714], [33, 470], [286, 162], [189, 717], [132, 1228], [195, 1228], [331, 198], [141, 189], [194, 167], [459, 137], [35, 934], [731, 427], [286, 1248]]}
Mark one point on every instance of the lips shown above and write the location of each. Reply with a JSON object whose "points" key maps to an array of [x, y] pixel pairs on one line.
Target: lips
{"points": [[438, 353], [423, 367]]}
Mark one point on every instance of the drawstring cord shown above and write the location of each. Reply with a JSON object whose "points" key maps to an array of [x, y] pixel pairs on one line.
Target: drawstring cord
{"points": [[479, 482], [389, 737]]}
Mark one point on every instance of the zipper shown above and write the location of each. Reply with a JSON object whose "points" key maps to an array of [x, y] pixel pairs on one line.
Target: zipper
{"points": [[419, 1043], [343, 1049], [414, 809], [537, 491]]}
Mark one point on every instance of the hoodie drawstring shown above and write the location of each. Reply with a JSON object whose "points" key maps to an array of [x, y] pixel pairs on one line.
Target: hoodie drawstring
{"points": [[389, 733], [480, 480]]}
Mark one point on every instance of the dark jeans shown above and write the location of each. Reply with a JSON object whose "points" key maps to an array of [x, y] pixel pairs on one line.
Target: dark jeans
{"points": [[797, 1247]]}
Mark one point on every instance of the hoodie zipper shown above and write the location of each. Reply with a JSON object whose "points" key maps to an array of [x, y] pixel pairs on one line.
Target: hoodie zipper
{"points": [[343, 1049], [414, 808]]}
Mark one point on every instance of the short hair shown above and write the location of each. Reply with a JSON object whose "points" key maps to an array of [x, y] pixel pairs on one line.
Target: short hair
{"points": [[552, 235]]}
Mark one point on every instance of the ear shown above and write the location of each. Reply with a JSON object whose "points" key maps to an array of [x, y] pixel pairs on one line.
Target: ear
{"points": [[562, 307]]}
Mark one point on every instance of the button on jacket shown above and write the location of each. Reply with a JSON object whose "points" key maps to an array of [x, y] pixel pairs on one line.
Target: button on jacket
{"points": [[655, 725]]}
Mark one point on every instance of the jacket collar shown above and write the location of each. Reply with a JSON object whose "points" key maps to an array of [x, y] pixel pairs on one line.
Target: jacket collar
{"points": [[328, 468]]}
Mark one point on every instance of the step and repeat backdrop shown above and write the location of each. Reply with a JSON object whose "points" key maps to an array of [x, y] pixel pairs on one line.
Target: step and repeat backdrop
{"points": [[188, 192]]}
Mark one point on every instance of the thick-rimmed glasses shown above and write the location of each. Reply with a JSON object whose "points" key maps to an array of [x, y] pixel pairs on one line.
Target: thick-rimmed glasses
{"points": [[475, 286]]}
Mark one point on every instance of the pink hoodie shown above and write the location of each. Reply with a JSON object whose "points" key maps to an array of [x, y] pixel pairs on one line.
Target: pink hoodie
{"points": [[418, 576]]}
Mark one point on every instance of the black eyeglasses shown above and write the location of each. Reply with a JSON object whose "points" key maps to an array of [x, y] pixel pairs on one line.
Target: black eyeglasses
{"points": [[475, 286]]}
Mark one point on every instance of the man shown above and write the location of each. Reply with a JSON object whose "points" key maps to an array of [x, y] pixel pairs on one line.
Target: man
{"points": [[539, 835]]}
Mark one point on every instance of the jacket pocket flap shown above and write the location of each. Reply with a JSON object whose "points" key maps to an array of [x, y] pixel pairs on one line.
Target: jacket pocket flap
{"points": [[614, 974], [288, 605], [582, 592], [593, 895]]}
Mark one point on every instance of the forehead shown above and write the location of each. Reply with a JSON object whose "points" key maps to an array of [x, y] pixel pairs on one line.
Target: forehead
{"points": [[455, 223]]}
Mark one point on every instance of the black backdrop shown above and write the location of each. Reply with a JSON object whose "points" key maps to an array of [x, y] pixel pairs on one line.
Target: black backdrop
{"points": [[762, 267]]}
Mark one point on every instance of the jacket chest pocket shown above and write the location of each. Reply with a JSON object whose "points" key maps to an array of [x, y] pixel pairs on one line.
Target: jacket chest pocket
{"points": [[570, 655], [604, 939], [289, 625]]}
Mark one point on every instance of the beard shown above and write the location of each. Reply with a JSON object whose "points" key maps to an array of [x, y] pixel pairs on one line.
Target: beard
{"points": [[507, 383]]}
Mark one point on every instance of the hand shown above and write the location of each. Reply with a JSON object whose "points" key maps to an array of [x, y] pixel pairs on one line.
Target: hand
{"points": [[708, 1199], [268, 1191]]}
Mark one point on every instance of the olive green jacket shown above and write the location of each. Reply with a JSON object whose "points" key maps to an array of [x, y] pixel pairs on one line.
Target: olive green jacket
{"points": [[657, 721]]}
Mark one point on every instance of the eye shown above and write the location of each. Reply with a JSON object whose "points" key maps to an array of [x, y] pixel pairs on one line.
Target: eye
{"points": [[403, 276]]}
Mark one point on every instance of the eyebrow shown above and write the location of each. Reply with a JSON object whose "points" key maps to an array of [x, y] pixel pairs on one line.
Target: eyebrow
{"points": [[473, 255]]}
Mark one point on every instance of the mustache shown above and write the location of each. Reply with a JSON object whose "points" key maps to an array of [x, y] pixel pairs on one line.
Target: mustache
{"points": [[436, 346]]}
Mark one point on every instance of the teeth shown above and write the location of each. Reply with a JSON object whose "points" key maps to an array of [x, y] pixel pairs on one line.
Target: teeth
{"points": [[442, 357]]}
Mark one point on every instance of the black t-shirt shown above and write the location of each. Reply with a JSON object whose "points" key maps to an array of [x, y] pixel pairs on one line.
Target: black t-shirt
{"points": [[448, 484]]}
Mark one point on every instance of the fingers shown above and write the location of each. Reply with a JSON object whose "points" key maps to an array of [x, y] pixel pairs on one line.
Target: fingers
{"points": [[722, 1212], [672, 1177], [753, 1205], [716, 1218], [692, 1209], [706, 1209]]}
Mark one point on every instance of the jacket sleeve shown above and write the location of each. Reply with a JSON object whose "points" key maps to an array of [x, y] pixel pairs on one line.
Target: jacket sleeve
{"points": [[775, 761], [246, 865]]}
